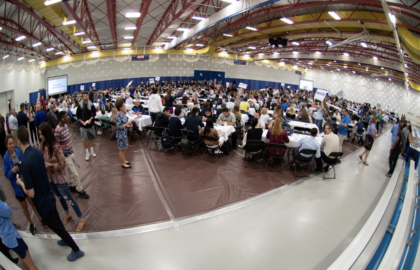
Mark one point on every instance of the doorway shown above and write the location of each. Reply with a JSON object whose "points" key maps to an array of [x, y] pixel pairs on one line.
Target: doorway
{"points": [[7, 102]]}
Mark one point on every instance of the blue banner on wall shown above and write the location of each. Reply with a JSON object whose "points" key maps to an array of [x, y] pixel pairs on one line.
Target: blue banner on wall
{"points": [[298, 72], [140, 57], [239, 62]]}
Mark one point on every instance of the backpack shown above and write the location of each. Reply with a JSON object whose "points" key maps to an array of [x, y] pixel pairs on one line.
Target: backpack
{"points": [[226, 148], [167, 141]]}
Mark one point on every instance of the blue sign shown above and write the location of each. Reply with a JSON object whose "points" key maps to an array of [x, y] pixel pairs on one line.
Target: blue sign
{"points": [[239, 62], [140, 57], [298, 72]]}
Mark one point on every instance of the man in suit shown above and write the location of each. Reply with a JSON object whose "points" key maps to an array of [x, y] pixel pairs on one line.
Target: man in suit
{"points": [[22, 118], [52, 118]]}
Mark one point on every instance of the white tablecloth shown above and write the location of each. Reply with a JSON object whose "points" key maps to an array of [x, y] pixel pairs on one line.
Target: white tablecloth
{"points": [[128, 107], [251, 111], [294, 124], [270, 112], [141, 121], [293, 140], [224, 131], [96, 105], [335, 107]]}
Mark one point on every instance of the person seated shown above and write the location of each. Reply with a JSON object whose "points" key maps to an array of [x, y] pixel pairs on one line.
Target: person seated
{"points": [[330, 143], [304, 116], [219, 111], [278, 135], [244, 105], [261, 124], [206, 107], [208, 115], [284, 106], [308, 142], [252, 100], [237, 113], [108, 106], [106, 118], [337, 116], [254, 133], [192, 122], [175, 125], [264, 117], [230, 104], [209, 131], [138, 108], [228, 118]]}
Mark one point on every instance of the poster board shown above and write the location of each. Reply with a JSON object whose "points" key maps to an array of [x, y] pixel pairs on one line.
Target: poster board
{"points": [[242, 85], [320, 94], [152, 80], [157, 79]]}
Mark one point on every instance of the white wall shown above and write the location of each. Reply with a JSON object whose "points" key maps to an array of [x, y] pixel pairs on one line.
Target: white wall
{"points": [[22, 82], [368, 89], [164, 67]]}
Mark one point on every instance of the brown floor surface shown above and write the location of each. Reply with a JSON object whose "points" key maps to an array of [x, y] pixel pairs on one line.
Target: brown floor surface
{"points": [[122, 198]]}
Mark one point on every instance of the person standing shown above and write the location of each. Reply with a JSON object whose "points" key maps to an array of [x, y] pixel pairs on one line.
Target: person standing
{"points": [[12, 239], [394, 134], [32, 129], [61, 133], [395, 152], [122, 123], [11, 163], [43, 104], [52, 119], [40, 117], [13, 125], [22, 118], [34, 181], [343, 128], [86, 112], [155, 104], [371, 134], [319, 118]]}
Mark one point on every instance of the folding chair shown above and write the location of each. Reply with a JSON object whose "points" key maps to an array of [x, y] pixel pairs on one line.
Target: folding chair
{"points": [[211, 148], [277, 147], [334, 156], [303, 160], [189, 142], [155, 138], [254, 147]]}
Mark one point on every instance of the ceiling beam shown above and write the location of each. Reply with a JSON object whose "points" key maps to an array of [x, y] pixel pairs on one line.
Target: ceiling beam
{"points": [[143, 13], [85, 14], [57, 32], [16, 44], [112, 15], [173, 15]]}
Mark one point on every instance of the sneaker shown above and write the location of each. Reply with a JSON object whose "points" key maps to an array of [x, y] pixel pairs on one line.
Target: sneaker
{"points": [[73, 256], [218, 152], [15, 261], [388, 175], [93, 153], [83, 195], [32, 229], [72, 189], [87, 155], [61, 243], [240, 146]]}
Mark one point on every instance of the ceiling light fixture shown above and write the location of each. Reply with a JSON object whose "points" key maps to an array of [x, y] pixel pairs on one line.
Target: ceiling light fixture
{"points": [[132, 14], [252, 47], [228, 35], [36, 44], [295, 52], [328, 64], [93, 47], [251, 28], [69, 22], [130, 28], [334, 15], [354, 71], [49, 49], [4, 57], [198, 18], [295, 43], [199, 44], [31, 60], [246, 55], [79, 33], [363, 44], [282, 63], [393, 18], [128, 37], [318, 52], [50, 2], [86, 41], [276, 53], [172, 37], [182, 29], [286, 20], [20, 58], [41, 62], [375, 58], [126, 49], [58, 53], [382, 68], [19, 38], [338, 69], [346, 54], [261, 53]]}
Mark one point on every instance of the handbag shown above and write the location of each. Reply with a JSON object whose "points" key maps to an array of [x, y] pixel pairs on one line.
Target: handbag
{"points": [[368, 142]]}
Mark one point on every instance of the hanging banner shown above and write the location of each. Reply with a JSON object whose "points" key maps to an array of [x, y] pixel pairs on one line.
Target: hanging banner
{"points": [[140, 57], [242, 85], [320, 94]]}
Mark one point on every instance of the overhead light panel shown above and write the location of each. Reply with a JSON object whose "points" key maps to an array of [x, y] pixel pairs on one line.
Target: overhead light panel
{"points": [[363, 44], [393, 18], [338, 69], [86, 41], [31, 60], [182, 29], [41, 62], [261, 53], [282, 63], [79, 33], [354, 71], [295, 43], [19, 38], [4, 57], [334, 15], [130, 28], [328, 64], [382, 68], [252, 47], [229, 1], [95, 52], [36, 44], [49, 49], [286, 20], [126, 49], [69, 22], [93, 47], [58, 53], [329, 43], [375, 58], [390, 79], [132, 14], [346, 54], [189, 49], [310, 63], [318, 52], [276, 53], [228, 35], [172, 37], [198, 18], [50, 2], [199, 44], [20, 58], [345, 66], [128, 37], [251, 28], [246, 55], [295, 52]]}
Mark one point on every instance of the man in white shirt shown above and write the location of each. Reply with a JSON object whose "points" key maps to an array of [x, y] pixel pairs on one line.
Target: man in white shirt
{"points": [[330, 143], [230, 104], [337, 116], [13, 125]]}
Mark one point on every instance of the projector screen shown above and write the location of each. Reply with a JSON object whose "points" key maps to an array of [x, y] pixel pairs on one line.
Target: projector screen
{"points": [[57, 85], [306, 85]]}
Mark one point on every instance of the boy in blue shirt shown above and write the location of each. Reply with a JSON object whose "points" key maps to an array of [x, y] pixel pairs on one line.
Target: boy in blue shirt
{"points": [[343, 127]]}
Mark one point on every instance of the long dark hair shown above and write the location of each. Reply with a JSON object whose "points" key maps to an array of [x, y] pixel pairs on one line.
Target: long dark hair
{"points": [[49, 141], [209, 126], [254, 122]]}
